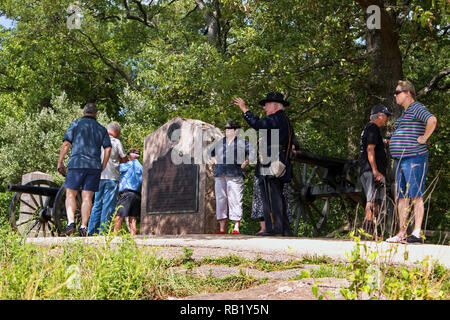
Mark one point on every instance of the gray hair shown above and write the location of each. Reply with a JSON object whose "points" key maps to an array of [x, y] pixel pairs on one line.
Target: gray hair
{"points": [[114, 126], [90, 108], [374, 116]]}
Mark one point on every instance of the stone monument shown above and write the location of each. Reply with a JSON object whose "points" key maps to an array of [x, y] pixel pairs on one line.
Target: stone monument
{"points": [[178, 183]]}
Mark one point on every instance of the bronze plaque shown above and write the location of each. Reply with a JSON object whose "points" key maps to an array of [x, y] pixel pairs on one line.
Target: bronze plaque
{"points": [[172, 188]]}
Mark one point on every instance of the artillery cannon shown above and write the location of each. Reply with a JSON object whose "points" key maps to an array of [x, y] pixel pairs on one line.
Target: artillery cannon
{"points": [[318, 179], [38, 208]]}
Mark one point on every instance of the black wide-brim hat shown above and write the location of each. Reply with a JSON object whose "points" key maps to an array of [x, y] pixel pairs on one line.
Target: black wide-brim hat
{"points": [[231, 124], [274, 97]]}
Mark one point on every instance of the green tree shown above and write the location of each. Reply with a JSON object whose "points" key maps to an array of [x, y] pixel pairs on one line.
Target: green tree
{"points": [[33, 143], [145, 62]]}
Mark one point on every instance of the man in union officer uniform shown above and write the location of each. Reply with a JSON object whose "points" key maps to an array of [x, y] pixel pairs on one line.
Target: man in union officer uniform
{"points": [[271, 183]]}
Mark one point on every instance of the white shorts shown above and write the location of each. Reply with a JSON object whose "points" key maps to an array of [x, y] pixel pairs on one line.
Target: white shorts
{"points": [[229, 192]]}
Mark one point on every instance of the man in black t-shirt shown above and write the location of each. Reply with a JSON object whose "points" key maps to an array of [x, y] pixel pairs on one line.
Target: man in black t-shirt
{"points": [[373, 164]]}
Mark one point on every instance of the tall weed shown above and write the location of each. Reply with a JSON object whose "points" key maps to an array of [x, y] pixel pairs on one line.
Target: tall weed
{"points": [[114, 269], [374, 276]]}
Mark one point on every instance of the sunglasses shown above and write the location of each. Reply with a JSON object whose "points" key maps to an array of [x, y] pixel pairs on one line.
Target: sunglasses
{"points": [[396, 92]]}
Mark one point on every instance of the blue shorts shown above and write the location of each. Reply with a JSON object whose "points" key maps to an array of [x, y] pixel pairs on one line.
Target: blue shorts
{"points": [[83, 179], [410, 176]]}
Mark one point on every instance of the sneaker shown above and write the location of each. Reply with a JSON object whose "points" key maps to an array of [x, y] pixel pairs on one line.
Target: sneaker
{"points": [[83, 232], [69, 230], [414, 239], [396, 239], [235, 232], [220, 232]]}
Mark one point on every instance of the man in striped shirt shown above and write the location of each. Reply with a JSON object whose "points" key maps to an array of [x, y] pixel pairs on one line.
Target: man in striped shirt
{"points": [[409, 150]]}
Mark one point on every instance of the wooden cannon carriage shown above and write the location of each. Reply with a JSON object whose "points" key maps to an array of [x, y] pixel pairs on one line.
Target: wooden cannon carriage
{"points": [[38, 208], [318, 179]]}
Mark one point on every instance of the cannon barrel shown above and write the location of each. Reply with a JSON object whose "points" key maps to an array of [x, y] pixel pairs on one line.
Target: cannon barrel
{"points": [[42, 191], [338, 173], [305, 156]]}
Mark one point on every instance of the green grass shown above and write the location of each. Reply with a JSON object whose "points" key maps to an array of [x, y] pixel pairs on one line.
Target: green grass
{"points": [[125, 271], [77, 271]]}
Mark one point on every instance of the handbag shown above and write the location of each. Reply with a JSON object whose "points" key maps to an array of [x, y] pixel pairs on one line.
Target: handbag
{"points": [[278, 168]]}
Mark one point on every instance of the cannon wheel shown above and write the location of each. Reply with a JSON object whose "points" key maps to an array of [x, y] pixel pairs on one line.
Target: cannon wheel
{"points": [[59, 211], [315, 209], [32, 214]]}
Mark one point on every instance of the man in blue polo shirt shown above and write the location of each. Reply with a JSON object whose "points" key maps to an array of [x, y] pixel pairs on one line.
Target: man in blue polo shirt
{"points": [[86, 137], [409, 150]]}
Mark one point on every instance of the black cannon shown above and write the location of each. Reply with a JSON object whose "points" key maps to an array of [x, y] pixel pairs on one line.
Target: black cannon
{"points": [[317, 179], [38, 208]]}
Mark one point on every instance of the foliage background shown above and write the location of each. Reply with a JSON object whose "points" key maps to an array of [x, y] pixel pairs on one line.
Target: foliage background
{"points": [[145, 62]]}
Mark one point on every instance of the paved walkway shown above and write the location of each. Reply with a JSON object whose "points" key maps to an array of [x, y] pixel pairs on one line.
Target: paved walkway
{"points": [[279, 248]]}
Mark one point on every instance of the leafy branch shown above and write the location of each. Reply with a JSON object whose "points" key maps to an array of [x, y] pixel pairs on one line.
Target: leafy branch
{"points": [[433, 84], [95, 51]]}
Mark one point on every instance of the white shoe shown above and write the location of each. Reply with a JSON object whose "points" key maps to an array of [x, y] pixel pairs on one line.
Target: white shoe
{"points": [[396, 239]]}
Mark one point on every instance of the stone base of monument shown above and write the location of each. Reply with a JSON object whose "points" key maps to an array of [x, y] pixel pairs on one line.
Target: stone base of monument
{"points": [[178, 183]]}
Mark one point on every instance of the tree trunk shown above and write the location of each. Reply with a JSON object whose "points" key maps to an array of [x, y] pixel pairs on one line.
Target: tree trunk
{"points": [[212, 16], [385, 59]]}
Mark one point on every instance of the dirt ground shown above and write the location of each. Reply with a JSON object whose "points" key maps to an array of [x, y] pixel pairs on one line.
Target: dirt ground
{"points": [[279, 287]]}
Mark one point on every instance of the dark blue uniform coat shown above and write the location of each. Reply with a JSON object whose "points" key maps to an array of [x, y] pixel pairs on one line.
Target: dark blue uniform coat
{"points": [[271, 188], [278, 121]]}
